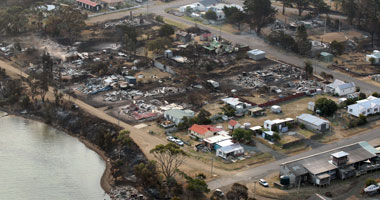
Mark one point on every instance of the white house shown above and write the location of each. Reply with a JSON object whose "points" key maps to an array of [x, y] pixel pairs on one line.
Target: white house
{"points": [[340, 87], [195, 7], [365, 107], [218, 9], [276, 109], [375, 56], [177, 115], [279, 123], [231, 150]]}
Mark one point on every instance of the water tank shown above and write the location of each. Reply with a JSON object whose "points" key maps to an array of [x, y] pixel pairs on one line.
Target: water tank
{"points": [[284, 180]]}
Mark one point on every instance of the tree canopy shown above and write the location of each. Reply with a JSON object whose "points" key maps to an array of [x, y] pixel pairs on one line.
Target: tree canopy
{"points": [[327, 107], [259, 13], [166, 30], [234, 16]]}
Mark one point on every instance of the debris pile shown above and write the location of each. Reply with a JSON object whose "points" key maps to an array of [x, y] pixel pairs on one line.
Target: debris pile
{"points": [[127, 192]]}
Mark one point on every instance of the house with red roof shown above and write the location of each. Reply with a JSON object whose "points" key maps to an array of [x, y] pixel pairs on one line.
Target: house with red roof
{"points": [[89, 5], [233, 124], [203, 131]]}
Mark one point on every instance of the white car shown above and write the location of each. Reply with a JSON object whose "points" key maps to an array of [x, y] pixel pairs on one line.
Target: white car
{"points": [[170, 139], [263, 183], [179, 142]]}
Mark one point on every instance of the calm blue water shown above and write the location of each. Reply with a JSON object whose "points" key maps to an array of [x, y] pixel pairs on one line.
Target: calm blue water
{"points": [[40, 162]]}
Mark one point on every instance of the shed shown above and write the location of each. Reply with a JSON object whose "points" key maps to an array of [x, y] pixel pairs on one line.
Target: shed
{"points": [[257, 111], [268, 135], [256, 54], [276, 109], [311, 106], [168, 53], [313, 123], [231, 150], [326, 57], [131, 79]]}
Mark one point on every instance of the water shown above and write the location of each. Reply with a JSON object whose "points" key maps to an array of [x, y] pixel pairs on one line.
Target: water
{"points": [[40, 162]]}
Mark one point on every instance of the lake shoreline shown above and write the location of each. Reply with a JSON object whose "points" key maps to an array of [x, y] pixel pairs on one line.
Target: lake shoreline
{"points": [[106, 179]]}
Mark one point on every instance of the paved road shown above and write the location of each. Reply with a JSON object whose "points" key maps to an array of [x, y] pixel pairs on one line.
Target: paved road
{"points": [[262, 171]]}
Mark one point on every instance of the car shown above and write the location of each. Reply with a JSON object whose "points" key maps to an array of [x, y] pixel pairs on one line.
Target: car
{"points": [[263, 183], [170, 139], [219, 193], [179, 142]]}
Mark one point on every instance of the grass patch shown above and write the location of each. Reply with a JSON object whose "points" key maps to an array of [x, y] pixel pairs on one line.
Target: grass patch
{"points": [[305, 133], [176, 24]]}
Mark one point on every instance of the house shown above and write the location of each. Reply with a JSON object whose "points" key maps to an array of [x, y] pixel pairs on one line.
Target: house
{"points": [[236, 104], [340, 88], [211, 142], [194, 7], [233, 150], [268, 135], [311, 106], [89, 5], [313, 123], [256, 54], [340, 163], [177, 115], [276, 109], [256, 111], [375, 57], [218, 9], [203, 131], [223, 143], [365, 107], [232, 124], [183, 36], [279, 125]]}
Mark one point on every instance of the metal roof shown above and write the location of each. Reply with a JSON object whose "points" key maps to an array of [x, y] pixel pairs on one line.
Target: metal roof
{"points": [[231, 148], [340, 154], [180, 114], [321, 162], [312, 119]]}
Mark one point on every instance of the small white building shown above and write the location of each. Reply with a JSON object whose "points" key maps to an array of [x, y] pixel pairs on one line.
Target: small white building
{"points": [[340, 88], [233, 150], [365, 107], [375, 56], [279, 123], [276, 109], [311, 106], [256, 54]]}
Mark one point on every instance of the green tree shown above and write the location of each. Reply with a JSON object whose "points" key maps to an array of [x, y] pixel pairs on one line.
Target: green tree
{"points": [[123, 137], [309, 69], [362, 120], [196, 186], [228, 110], [259, 13], [370, 181], [159, 44], [242, 135], [234, 16], [166, 31], [320, 6], [130, 38], [362, 96], [276, 137], [211, 15], [375, 94], [337, 48], [283, 40], [146, 173], [303, 43], [301, 5], [169, 158], [349, 7], [327, 107], [238, 191], [203, 117], [13, 20]]}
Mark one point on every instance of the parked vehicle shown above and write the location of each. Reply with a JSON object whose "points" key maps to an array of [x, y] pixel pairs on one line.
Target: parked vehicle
{"points": [[170, 139], [219, 193], [263, 183], [179, 142]]}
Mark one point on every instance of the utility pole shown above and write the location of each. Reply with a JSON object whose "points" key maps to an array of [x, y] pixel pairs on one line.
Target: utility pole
{"points": [[254, 191], [212, 165], [118, 118]]}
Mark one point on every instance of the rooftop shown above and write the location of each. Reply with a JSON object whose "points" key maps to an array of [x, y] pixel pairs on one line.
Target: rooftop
{"points": [[180, 114], [312, 119], [217, 138], [321, 162], [88, 2], [231, 148], [340, 154]]}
